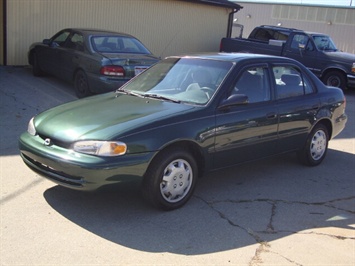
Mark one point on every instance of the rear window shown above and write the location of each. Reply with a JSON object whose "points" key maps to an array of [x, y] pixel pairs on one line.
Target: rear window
{"points": [[118, 44], [264, 34]]}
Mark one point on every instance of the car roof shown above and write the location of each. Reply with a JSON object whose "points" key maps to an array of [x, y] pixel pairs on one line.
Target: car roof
{"points": [[92, 31], [277, 28], [234, 57]]}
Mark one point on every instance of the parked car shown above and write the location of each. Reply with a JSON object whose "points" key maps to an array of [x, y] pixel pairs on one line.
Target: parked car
{"points": [[182, 117], [95, 61]]}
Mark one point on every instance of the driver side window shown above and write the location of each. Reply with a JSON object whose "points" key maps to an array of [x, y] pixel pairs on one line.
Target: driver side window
{"points": [[61, 38], [299, 41]]}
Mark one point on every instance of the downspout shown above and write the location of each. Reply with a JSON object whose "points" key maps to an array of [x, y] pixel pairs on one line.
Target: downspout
{"points": [[230, 22], [4, 21]]}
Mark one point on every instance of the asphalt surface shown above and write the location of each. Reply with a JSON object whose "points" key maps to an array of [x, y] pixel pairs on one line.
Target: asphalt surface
{"points": [[271, 212]]}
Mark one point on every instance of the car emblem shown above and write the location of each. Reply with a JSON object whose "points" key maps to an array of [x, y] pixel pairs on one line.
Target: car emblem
{"points": [[47, 142]]}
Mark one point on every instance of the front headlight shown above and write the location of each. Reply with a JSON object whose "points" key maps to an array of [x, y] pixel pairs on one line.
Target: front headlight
{"points": [[100, 148], [31, 127]]}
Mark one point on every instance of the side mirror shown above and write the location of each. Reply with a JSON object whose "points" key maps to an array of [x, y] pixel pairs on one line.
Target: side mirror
{"points": [[234, 100], [46, 41], [50, 43]]}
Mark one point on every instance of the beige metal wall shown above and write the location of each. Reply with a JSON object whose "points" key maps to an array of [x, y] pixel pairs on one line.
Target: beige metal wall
{"points": [[338, 22], [166, 27], [1, 32]]}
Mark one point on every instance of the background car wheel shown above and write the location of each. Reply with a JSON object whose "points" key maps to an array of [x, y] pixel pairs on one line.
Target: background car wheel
{"points": [[335, 79], [81, 85], [36, 69], [170, 179], [316, 146]]}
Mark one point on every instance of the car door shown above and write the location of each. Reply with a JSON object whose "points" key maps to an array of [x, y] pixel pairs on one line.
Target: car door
{"points": [[247, 131], [48, 53], [301, 48], [297, 104], [69, 55]]}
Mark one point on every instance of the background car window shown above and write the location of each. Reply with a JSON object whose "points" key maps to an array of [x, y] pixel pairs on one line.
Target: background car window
{"points": [[263, 34], [61, 38], [75, 42], [253, 83], [299, 41], [324, 43], [290, 82], [118, 44]]}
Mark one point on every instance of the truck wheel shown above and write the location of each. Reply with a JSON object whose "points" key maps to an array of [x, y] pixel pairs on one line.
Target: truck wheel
{"points": [[170, 179], [81, 85], [316, 146], [335, 79]]}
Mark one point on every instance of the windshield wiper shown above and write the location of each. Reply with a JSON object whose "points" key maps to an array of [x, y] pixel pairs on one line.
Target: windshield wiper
{"points": [[126, 92], [160, 97]]}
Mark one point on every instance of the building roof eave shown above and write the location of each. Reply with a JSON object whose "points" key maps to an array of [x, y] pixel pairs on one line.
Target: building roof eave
{"points": [[220, 3]]}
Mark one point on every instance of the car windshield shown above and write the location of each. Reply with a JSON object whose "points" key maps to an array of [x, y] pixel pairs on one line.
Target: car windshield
{"points": [[188, 80], [324, 43], [118, 44]]}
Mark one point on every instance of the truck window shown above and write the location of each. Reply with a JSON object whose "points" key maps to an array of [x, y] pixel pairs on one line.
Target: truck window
{"points": [[290, 82], [263, 35], [299, 41], [254, 83], [324, 43]]}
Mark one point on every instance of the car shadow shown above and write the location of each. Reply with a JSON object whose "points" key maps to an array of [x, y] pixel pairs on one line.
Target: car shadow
{"points": [[253, 203]]}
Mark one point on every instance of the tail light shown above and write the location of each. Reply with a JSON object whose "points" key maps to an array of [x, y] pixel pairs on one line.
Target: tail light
{"points": [[116, 71]]}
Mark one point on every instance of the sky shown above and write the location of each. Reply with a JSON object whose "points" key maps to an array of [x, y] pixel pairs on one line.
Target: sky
{"points": [[309, 2]]}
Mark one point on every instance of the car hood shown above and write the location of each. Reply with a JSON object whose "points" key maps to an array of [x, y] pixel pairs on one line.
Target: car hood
{"points": [[342, 56], [105, 117]]}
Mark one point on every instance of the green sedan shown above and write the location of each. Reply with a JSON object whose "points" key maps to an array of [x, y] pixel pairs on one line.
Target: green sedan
{"points": [[182, 117]]}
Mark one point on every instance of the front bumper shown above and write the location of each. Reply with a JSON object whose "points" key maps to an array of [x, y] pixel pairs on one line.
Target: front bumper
{"points": [[80, 171], [351, 80]]}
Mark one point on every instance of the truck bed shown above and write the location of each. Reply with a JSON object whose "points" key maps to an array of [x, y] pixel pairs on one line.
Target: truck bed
{"points": [[242, 45]]}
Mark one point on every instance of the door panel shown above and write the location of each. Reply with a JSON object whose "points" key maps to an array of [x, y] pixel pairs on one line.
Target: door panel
{"points": [[297, 106], [247, 131]]}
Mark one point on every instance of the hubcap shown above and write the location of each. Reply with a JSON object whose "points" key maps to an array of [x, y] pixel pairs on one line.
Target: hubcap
{"points": [[318, 145], [177, 181], [333, 81]]}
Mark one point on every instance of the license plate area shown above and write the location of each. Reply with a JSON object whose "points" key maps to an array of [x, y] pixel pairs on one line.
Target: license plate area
{"points": [[139, 69]]}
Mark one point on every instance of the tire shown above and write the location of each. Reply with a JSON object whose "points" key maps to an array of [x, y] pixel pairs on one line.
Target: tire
{"points": [[81, 85], [335, 79], [170, 180], [315, 147], [36, 69]]}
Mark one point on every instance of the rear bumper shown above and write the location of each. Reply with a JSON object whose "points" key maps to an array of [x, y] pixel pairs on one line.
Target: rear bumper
{"points": [[340, 123], [102, 84]]}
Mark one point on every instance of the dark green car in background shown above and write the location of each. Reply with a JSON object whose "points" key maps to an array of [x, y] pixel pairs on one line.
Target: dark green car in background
{"points": [[182, 117], [95, 61]]}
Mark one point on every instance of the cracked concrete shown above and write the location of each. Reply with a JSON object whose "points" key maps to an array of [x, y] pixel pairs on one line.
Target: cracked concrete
{"points": [[271, 212], [281, 223]]}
